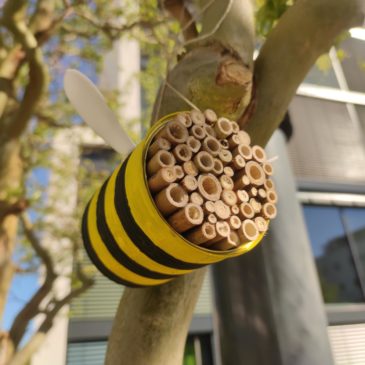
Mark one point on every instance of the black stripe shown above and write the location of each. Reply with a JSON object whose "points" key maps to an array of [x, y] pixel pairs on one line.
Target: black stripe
{"points": [[136, 234], [112, 246], [94, 257]]}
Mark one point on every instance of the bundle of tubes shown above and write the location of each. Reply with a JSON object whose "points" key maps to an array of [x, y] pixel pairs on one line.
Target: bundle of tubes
{"points": [[208, 182]]}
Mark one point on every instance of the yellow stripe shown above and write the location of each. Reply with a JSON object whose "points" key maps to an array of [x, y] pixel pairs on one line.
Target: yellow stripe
{"points": [[106, 258], [122, 238]]}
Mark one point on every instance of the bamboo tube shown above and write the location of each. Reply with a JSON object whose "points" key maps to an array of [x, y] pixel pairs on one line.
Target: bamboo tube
{"points": [[244, 137], [233, 141], [242, 196], [252, 192], [238, 162], [179, 172], [258, 154], [209, 187], [234, 222], [212, 218], [175, 132], [261, 224], [229, 197], [255, 173], [224, 143], [190, 168], [193, 143], [271, 197], [204, 161], [235, 127], [211, 145], [227, 243], [222, 210], [228, 171], [261, 194], [210, 130], [197, 117], [235, 209], [185, 119], [210, 116], [185, 218], [269, 211], [256, 206], [241, 182], [158, 144], [225, 156], [217, 167], [222, 231], [226, 182], [268, 169], [161, 159], [223, 128], [208, 207], [182, 153], [248, 231], [196, 198], [269, 185], [246, 211], [161, 179], [171, 199], [243, 150], [198, 131], [201, 234], [189, 183]]}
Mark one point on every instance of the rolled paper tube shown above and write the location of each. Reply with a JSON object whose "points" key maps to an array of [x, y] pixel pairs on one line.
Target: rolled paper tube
{"points": [[246, 211], [233, 141], [271, 197], [226, 182], [224, 143], [217, 167], [227, 243], [255, 173], [244, 151], [235, 209], [242, 196], [248, 231], [211, 145], [241, 182], [269, 185], [198, 131], [238, 162], [171, 199], [175, 132], [197, 117], [202, 234], [235, 127], [208, 207], [184, 219], [228, 171], [204, 161], [262, 194], [189, 183], [222, 210], [223, 128], [210, 130], [261, 224], [252, 192], [256, 206], [196, 198], [179, 172], [161, 159], [182, 153], [258, 154], [212, 218], [190, 168], [161, 179], [225, 156], [185, 119], [209, 187], [222, 231], [158, 144], [210, 116], [229, 197], [244, 138], [234, 222], [193, 143], [269, 211], [268, 169]]}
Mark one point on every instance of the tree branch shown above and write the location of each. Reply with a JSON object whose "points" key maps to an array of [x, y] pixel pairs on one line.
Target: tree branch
{"points": [[303, 33]]}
